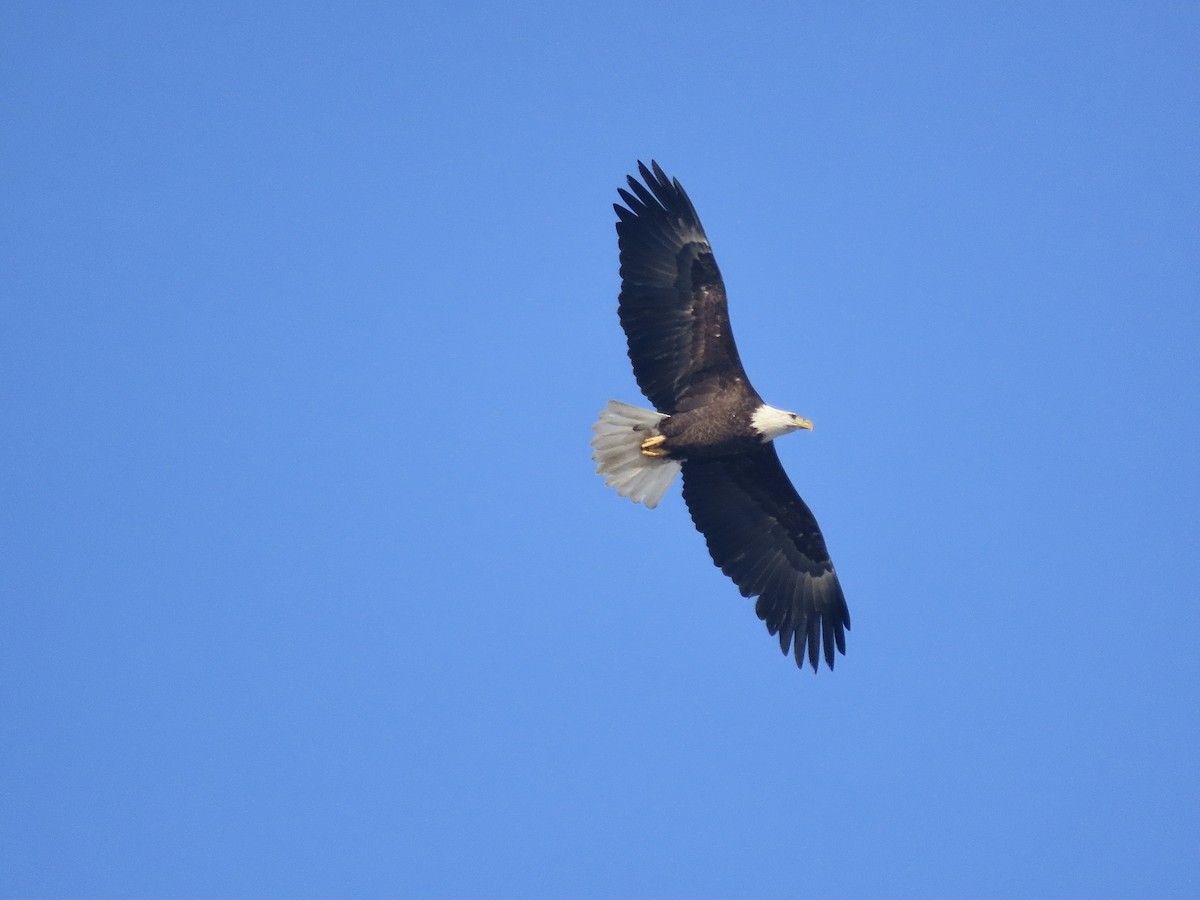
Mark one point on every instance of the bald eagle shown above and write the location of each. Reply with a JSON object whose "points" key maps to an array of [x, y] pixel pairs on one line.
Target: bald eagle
{"points": [[711, 425]]}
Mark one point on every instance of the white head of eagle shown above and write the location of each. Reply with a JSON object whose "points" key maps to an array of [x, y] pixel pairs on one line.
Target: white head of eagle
{"points": [[711, 425], [772, 423]]}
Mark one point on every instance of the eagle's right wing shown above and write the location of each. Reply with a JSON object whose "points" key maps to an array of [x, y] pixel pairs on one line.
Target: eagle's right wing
{"points": [[672, 303]]}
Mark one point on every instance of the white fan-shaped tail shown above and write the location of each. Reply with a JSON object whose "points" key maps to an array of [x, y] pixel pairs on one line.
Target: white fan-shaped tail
{"points": [[617, 450]]}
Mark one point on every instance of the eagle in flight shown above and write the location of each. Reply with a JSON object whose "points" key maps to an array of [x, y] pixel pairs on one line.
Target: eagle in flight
{"points": [[710, 424]]}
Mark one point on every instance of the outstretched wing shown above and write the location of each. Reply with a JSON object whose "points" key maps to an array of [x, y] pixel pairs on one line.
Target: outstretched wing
{"points": [[763, 536], [672, 303]]}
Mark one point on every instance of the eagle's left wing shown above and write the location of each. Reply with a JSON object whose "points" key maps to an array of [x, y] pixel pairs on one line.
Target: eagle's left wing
{"points": [[763, 536]]}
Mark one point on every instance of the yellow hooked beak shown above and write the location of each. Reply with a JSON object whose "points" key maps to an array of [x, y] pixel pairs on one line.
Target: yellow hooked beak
{"points": [[806, 424]]}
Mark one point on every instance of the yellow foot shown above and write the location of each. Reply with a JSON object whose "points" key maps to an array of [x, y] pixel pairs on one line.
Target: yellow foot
{"points": [[653, 446]]}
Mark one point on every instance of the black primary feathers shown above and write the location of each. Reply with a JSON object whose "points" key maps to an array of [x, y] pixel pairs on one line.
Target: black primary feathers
{"points": [[763, 536], [672, 303]]}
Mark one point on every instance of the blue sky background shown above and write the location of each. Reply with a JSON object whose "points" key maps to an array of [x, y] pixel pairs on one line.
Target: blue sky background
{"points": [[309, 587]]}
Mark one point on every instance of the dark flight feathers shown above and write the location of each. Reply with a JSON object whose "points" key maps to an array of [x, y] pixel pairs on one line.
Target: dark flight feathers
{"points": [[672, 303], [763, 536]]}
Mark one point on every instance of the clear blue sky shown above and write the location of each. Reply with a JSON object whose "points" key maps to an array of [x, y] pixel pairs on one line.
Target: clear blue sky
{"points": [[308, 587]]}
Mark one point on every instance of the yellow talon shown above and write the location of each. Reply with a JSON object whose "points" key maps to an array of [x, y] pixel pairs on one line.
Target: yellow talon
{"points": [[652, 446]]}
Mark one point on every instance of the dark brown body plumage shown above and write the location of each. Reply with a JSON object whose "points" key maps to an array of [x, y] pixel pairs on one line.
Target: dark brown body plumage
{"points": [[715, 428]]}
